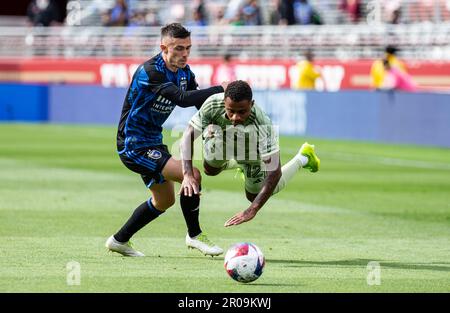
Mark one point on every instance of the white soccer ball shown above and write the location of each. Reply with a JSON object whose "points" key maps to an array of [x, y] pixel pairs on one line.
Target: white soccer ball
{"points": [[244, 262]]}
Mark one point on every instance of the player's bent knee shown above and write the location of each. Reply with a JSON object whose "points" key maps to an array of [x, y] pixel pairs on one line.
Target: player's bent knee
{"points": [[211, 172]]}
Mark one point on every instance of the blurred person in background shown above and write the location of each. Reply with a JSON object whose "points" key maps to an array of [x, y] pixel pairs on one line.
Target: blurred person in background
{"points": [[392, 10], [275, 12], [233, 10], [199, 16], [307, 74], [118, 15], [251, 13], [299, 12], [44, 13], [352, 9], [225, 71], [395, 79], [377, 70], [197, 19]]}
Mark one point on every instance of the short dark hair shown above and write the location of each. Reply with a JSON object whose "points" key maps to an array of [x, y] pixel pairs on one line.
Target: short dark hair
{"points": [[391, 49], [175, 30], [239, 90]]}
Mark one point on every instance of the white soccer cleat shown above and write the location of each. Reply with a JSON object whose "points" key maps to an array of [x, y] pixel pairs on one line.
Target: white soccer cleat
{"points": [[124, 248], [202, 243]]}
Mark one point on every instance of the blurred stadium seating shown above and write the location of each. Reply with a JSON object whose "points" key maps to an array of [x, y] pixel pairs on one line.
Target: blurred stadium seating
{"points": [[423, 37], [424, 33], [416, 41], [413, 11]]}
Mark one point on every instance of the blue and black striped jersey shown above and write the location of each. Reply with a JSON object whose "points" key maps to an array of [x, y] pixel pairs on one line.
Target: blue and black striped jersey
{"points": [[153, 94]]}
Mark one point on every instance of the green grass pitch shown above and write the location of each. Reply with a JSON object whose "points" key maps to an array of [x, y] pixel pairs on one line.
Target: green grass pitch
{"points": [[63, 191]]}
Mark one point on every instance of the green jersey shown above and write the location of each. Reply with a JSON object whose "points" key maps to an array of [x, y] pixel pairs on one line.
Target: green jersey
{"points": [[257, 138]]}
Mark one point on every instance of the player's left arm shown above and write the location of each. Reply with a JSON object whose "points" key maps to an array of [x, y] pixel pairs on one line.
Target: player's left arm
{"points": [[270, 182]]}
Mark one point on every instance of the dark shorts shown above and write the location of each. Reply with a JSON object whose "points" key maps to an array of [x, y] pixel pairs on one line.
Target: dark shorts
{"points": [[149, 162]]}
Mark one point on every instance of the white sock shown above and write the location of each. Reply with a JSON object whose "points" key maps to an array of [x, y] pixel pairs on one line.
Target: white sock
{"points": [[288, 171], [303, 159]]}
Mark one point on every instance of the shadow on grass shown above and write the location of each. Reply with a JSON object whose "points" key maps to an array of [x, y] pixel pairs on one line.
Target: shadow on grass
{"points": [[363, 263], [272, 285]]}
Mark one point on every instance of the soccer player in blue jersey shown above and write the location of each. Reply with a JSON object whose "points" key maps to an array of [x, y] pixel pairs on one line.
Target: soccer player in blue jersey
{"points": [[159, 85]]}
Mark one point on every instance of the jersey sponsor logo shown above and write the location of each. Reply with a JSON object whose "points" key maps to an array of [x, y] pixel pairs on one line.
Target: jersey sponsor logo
{"points": [[163, 105], [154, 154]]}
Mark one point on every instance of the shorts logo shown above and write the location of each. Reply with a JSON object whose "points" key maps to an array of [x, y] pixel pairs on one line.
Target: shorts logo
{"points": [[154, 154]]}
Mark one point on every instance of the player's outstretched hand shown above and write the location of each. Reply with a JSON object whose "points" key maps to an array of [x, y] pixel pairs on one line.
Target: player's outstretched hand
{"points": [[241, 217], [189, 186]]}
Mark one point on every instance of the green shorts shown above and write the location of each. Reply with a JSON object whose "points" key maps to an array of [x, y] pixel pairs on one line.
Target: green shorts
{"points": [[254, 173]]}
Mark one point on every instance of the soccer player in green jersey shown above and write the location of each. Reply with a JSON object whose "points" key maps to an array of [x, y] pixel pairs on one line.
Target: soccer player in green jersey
{"points": [[239, 134]]}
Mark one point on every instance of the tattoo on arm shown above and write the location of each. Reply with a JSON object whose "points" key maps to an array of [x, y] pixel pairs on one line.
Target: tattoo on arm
{"points": [[268, 187], [187, 149]]}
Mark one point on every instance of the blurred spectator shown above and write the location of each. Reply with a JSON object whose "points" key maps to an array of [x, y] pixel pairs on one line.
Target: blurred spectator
{"points": [[233, 9], [137, 18], [219, 17], [251, 13], [144, 18], [396, 16], [199, 16], [395, 79], [275, 12], [225, 71], [197, 19], [118, 15], [43, 13], [378, 72], [151, 18], [352, 9], [392, 11], [307, 74], [299, 12], [238, 20]]}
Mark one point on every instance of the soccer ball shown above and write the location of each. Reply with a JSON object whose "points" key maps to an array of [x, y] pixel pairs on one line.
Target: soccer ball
{"points": [[244, 262]]}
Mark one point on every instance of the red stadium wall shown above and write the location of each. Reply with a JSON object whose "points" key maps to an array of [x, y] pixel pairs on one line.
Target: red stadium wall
{"points": [[261, 74]]}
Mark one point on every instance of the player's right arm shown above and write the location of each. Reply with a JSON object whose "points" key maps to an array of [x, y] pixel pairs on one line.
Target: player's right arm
{"points": [[199, 122], [189, 185]]}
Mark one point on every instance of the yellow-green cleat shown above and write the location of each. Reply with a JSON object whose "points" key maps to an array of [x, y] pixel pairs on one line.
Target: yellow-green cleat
{"points": [[307, 150], [202, 243]]}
